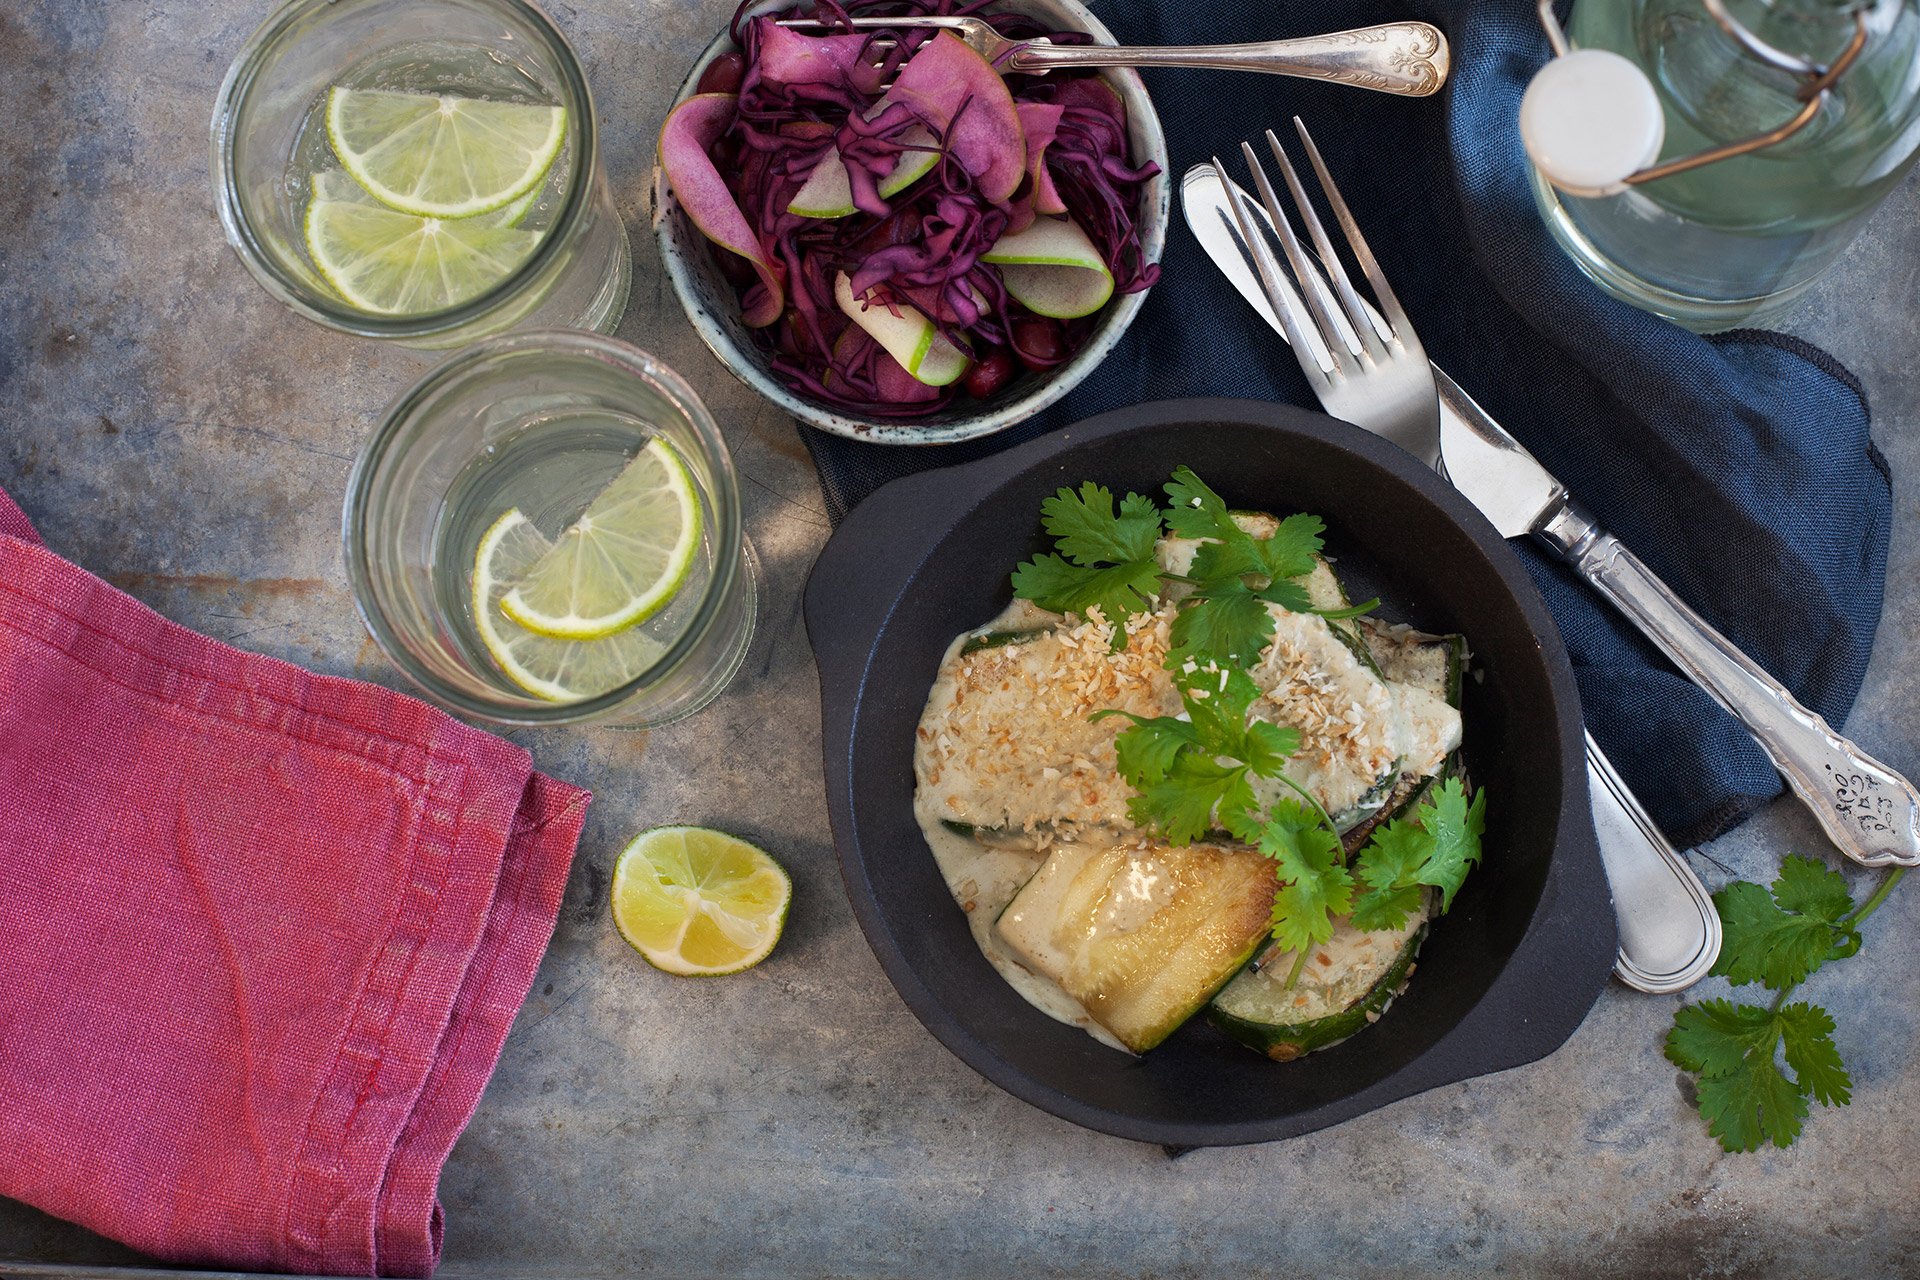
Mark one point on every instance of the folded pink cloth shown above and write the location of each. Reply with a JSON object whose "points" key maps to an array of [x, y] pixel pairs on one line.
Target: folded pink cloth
{"points": [[262, 934]]}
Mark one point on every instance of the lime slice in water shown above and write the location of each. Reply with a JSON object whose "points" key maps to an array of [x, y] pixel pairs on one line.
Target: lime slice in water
{"points": [[440, 156], [697, 902], [562, 670], [623, 559], [338, 184], [393, 263]]}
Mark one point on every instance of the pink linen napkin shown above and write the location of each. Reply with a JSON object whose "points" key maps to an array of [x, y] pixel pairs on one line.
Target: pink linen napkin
{"points": [[262, 934]]}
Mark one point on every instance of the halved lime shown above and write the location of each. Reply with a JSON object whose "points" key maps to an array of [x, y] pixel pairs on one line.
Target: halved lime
{"points": [[393, 263], [698, 902], [441, 156], [562, 670], [623, 559]]}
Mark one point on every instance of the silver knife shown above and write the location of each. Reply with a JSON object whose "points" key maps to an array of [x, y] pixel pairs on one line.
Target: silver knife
{"points": [[1669, 930]]}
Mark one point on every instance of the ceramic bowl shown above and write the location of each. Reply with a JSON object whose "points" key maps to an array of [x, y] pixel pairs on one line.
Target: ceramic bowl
{"points": [[711, 306], [1505, 976]]}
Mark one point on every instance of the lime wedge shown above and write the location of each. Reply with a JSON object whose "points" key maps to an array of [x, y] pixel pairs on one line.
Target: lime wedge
{"points": [[697, 902], [394, 263], [560, 670], [441, 156], [623, 559]]}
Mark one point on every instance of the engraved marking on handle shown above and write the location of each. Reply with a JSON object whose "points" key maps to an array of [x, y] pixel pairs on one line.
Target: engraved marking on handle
{"points": [[1857, 800]]}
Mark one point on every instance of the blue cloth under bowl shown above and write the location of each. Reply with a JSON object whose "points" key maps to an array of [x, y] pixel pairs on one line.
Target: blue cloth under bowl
{"points": [[1737, 466]]}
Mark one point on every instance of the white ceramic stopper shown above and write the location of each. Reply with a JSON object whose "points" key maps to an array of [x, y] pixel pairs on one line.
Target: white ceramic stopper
{"points": [[1589, 119]]}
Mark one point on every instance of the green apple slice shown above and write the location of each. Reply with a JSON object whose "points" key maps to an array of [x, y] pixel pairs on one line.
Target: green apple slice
{"points": [[827, 192], [1053, 269], [908, 336]]}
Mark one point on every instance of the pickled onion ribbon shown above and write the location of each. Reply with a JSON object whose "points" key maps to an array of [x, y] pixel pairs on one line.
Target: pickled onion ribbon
{"points": [[690, 129]]}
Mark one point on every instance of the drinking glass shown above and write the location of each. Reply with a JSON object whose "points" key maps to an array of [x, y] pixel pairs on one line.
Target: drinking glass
{"points": [[538, 422], [269, 142]]}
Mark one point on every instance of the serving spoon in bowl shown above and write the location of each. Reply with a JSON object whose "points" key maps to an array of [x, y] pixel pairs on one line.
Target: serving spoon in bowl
{"points": [[1406, 58]]}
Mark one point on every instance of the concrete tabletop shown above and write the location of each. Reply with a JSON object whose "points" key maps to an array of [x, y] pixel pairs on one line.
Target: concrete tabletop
{"points": [[168, 425]]}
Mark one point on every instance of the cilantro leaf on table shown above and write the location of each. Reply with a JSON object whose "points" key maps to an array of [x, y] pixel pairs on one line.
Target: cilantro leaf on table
{"points": [[1190, 774], [1108, 561], [1775, 939], [1315, 883], [1715, 1037], [1753, 1103], [1437, 846], [1779, 939], [1815, 1059]]}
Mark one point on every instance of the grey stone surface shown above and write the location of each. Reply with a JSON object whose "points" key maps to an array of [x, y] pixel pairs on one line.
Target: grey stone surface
{"points": [[169, 426]]}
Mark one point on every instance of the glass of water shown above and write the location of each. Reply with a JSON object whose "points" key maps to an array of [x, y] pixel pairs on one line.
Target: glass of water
{"points": [[498, 456], [316, 201]]}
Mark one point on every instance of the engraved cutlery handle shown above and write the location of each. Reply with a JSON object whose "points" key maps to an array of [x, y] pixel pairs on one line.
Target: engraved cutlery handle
{"points": [[1407, 58], [1871, 813]]}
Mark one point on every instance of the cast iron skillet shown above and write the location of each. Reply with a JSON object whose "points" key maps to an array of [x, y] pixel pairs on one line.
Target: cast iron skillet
{"points": [[1504, 978]]}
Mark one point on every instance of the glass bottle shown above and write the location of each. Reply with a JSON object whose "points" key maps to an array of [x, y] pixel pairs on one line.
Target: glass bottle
{"points": [[1734, 242]]}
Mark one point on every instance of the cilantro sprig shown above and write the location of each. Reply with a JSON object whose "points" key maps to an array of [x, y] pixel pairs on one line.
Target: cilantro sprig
{"points": [[1105, 561], [1779, 940], [1184, 772], [1235, 576]]}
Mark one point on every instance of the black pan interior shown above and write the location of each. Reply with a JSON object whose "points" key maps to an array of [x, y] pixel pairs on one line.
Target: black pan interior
{"points": [[1389, 538]]}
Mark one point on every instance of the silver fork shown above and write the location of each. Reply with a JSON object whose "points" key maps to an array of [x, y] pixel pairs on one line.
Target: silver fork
{"points": [[1406, 58], [1358, 359], [1371, 375]]}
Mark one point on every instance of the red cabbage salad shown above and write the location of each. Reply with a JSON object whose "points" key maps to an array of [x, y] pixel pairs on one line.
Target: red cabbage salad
{"points": [[904, 223]]}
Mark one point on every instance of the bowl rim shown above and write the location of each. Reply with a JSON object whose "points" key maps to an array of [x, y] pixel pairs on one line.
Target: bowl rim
{"points": [[1519, 1019], [670, 226]]}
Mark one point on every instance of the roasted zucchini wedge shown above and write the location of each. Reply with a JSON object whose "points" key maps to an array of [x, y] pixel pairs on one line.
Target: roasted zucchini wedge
{"points": [[1142, 934], [1347, 983]]}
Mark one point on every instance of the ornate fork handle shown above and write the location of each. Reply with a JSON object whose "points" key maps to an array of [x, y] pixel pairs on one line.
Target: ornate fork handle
{"points": [[1407, 58], [1870, 812]]}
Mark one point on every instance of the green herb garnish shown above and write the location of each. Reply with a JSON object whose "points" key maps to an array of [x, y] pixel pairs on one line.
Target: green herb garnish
{"points": [[1234, 576], [1436, 848], [1777, 940], [1107, 562], [1185, 772], [1315, 885]]}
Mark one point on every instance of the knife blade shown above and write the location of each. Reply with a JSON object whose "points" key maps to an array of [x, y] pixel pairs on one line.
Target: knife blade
{"points": [[1669, 931], [1869, 812]]}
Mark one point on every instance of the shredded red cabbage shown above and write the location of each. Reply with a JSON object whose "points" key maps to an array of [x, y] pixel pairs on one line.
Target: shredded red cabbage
{"points": [[804, 95]]}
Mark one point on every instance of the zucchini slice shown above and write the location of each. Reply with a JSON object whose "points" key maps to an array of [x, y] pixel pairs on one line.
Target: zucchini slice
{"points": [[1142, 934], [1362, 974]]}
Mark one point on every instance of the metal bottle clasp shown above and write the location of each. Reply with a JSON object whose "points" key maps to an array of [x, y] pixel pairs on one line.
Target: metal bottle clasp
{"points": [[1816, 84]]}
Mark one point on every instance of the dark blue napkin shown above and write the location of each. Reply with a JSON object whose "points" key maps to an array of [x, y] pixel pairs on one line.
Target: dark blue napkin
{"points": [[1737, 466]]}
